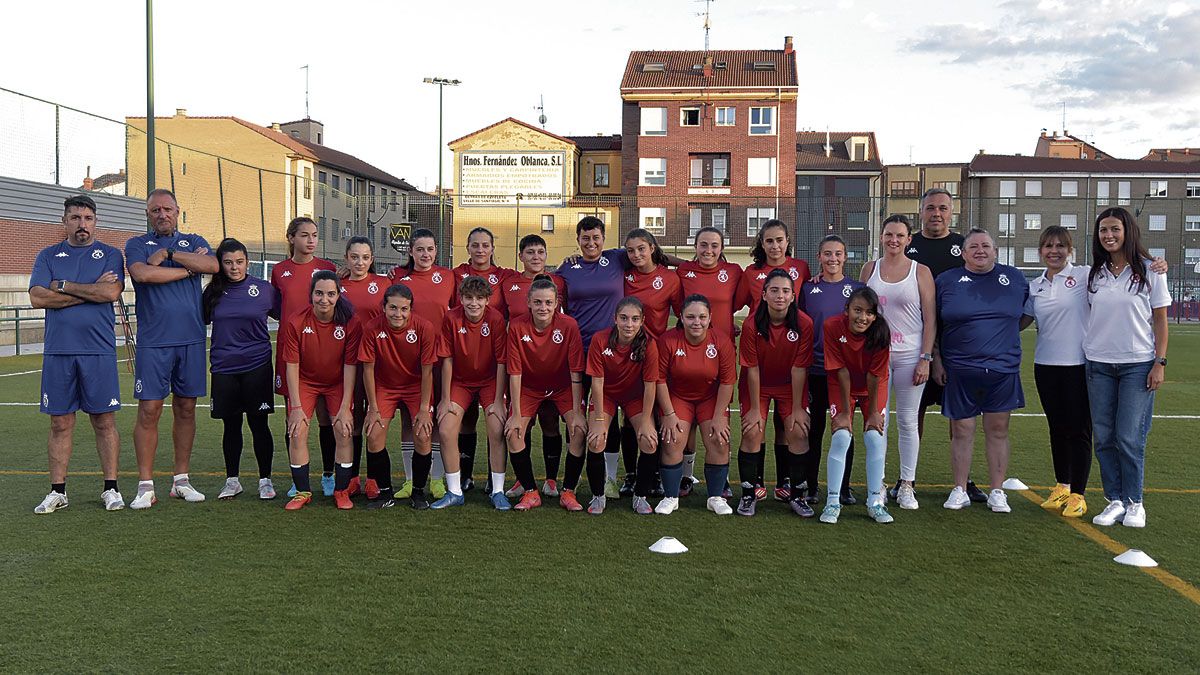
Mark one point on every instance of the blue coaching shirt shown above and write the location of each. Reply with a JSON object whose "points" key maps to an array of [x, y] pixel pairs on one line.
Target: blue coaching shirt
{"points": [[86, 328], [240, 339], [168, 315], [593, 291], [821, 301], [980, 316]]}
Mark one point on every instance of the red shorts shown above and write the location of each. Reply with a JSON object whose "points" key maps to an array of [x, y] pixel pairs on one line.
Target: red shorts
{"points": [[860, 402], [782, 395], [532, 400], [632, 406], [310, 393], [466, 395], [390, 399], [695, 412]]}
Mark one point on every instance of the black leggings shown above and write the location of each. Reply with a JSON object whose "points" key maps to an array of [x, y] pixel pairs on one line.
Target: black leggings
{"points": [[264, 443], [1063, 390], [818, 408]]}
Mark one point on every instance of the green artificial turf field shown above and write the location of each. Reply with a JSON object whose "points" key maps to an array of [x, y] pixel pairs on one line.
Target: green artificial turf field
{"points": [[243, 585]]}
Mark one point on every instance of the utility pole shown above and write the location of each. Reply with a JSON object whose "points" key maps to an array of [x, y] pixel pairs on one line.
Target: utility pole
{"points": [[149, 97], [441, 83], [305, 69]]}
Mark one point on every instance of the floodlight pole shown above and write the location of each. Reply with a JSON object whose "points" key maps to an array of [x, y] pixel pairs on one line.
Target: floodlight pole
{"points": [[441, 83], [149, 97]]}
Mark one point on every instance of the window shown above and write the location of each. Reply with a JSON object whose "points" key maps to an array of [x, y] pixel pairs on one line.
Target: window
{"points": [[337, 182], [1191, 256], [371, 197], [904, 188], [600, 175], [654, 220], [755, 218], [1102, 193], [719, 219], [1193, 189], [1006, 224], [602, 215], [1002, 255], [322, 177], [1008, 192], [1158, 253], [184, 167], [1033, 221], [1157, 222], [653, 171], [762, 121], [1158, 188], [1191, 223], [721, 171], [394, 200], [1069, 221], [1070, 188], [859, 152], [953, 220], [1030, 254], [695, 222], [856, 220], [654, 121], [547, 222], [337, 226], [726, 116], [1033, 188], [1123, 193], [760, 171], [689, 117], [950, 186]]}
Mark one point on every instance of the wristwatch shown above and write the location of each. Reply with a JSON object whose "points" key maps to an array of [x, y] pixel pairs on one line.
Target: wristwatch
{"points": [[61, 286], [927, 356], [1161, 360]]}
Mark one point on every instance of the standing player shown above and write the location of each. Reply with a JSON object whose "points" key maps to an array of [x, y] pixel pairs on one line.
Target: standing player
{"points": [[364, 288], [165, 266], [856, 359], [649, 280], [76, 281]]}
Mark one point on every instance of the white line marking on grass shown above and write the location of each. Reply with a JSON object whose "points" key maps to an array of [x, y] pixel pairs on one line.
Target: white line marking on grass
{"points": [[31, 372]]}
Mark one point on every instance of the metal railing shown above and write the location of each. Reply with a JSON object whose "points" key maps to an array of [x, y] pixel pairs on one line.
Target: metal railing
{"points": [[34, 318]]}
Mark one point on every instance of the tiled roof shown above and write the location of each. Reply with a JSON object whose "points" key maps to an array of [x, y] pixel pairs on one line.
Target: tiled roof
{"points": [[336, 159], [1174, 155], [810, 151], [514, 121], [597, 142], [108, 180], [1027, 164], [681, 69]]}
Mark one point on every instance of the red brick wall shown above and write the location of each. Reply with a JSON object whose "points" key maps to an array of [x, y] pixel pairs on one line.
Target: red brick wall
{"points": [[25, 239]]}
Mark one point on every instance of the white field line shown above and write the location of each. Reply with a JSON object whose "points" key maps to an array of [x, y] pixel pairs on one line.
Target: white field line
{"points": [[31, 372]]}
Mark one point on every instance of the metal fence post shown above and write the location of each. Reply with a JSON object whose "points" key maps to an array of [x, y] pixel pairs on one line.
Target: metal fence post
{"points": [[262, 219], [57, 144]]}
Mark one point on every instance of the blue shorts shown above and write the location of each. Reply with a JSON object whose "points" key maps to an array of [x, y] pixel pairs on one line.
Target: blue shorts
{"points": [[971, 391], [180, 370], [85, 382]]}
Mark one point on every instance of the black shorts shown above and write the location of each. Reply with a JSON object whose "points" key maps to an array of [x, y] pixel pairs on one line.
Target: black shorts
{"points": [[252, 391], [932, 394]]}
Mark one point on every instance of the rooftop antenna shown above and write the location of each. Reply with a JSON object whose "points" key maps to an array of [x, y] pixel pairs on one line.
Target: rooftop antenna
{"points": [[910, 147], [707, 23], [305, 69], [541, 108], [1064, 116]]}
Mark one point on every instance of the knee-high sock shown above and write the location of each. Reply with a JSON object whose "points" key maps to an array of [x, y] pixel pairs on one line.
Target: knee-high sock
{"points": [[551, 453], [379, 468], [264, 443], [629, 447], [647, 467], [328, 445], [876, 449], [835, 464], [523, 469], [595, 473], [356, 465], [572, 471], [672, 476], [761, 464], [421, 465], [715, 477], [231, 445], [799, 467], [341, 476], [689, 465], [612, 449], [466, 449], [406, 457], [747, 466], [438, 470], [300, 477], [782, 466], [849, 466]]}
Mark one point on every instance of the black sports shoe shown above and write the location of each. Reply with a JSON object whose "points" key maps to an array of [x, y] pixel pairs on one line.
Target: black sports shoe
{"points": [[627, 487], [974, 493], [685, 486], [468, 485], [848, 498], [814, 497], [892, 491], [381, 503], [657, 490], [419, 502]]}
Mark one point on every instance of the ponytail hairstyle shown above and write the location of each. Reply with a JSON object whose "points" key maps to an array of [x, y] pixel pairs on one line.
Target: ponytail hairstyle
{"points": [[1135, 253], [720, 235], [896, 218], [656, 255], [759, 252], [878, 335], [694, 297], [219, 282], [294, 227], [343, 311], [637, 348], [359, 239], [420, 233], [491, 238], [762, 315]]}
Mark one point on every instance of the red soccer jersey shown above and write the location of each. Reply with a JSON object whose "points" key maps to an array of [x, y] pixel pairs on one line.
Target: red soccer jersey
{"points": [[844, 349], [320, 348], [693, 372], [398, 354], [294, 283], [659, 290], [775, 359], [433, 291], [722, 285], [515, 291], [544, 359], [494, 275], [366, 295], [623, 378], [475, 347], [756, 278]]}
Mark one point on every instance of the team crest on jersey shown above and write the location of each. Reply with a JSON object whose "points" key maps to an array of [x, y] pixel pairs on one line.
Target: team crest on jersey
{"points": [[184, 243], [608, 351], [722, 276], [1003, 279], [847, 290], [339, 333], [657, 283], [1070, 282], [278, 381], [711, 351], [603, 262], [373, 287], [411, 337], [493, 279], [252, 291], [97, 254], [485, 331], [793, 273], [793, 336], [956, 251], [557, 336], [437, 277]]}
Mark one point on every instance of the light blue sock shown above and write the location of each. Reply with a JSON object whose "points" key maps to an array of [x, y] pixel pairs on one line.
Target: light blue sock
{"points": [[876, 448], [835, 464]]}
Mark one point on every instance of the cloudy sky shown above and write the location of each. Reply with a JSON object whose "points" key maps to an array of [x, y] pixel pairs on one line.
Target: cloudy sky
{"points": [[935, 81]]}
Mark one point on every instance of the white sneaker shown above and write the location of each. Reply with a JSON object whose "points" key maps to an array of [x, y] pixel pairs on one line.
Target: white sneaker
{"points": [[906, 497], [1112, 514], [596, 506], [998, 502], [266, 489], [143, 500], [719, 506], [186, 492], [667, 505], [113, 501], [53, 502], [1135, 515], [958, 499], [233, 488]]}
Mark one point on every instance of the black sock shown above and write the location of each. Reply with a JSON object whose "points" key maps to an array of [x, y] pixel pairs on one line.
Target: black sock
{"points": [[629, 447], [849, 463], [108, 485], [381, 462], [356, 464], [421, 466], [551, 453], [760, 465], [300, 478], [231, 444], [572, 470], [60, 488], [596, 473], [747, 465], [341, 476], [782, 468], [647, 470], [264, 443], [799, 468], [612, 443], [466, 450], [523, 469], [328, 444]]}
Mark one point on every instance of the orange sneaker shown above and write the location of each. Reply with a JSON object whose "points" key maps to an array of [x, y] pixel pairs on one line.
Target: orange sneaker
{"points": [[529, 500], [342, 499], [371, 489], [354, 488], [567, 500], [299, 501]]}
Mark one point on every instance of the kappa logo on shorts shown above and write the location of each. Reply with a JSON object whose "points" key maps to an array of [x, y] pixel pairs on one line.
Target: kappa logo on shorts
{"points": [[45, 399], [266, 406], [964, 278], [485, 331], [847, 290], [657, 284], [1070, 282], [137, 387], [184, 243], [97, 254], [557, 336], [411, 337], [252, 290], [711, 351], [793, 336], [308, 331], [493, 279], [437, 277], [114, 402], [1003, 279], [373, 287], [956, 251], [603, 262], [383, 336], [339, 333], [793, 273], [722, 276]]}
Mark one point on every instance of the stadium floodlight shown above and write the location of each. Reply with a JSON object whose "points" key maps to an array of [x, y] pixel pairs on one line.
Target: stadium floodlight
{"points": [[442, 83]]}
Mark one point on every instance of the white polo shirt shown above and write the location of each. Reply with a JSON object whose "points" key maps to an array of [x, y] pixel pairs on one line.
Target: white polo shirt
{"points": [[1060, 307], [1120, 328]]}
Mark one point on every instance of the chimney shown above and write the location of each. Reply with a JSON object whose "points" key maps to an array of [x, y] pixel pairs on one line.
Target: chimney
{"points": [[88, 183], [787, 45], [708, 66], [982, 151], [181, 112], [828, 146], [275, 127]]}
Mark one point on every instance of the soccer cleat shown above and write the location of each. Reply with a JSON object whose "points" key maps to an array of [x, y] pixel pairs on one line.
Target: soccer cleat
{"points": [[641, 506], [405, 491], [266, 489], [612, 489], [448, 499], [998, 502], [847, 497], [719, 506], [500, 502], [371, 489], [727, 492], [113, 501], [958, 499], [1111, 515], [627, 486], [292, 491], [186, 492], [467, 485], [516, 491], [1058, 497], [1135, 515], [437, 488], [974, 493], [831, 513], [53, 502], [341, 498], [667, 505], [746, 505], [418, 500], [893, 493], [801, 508], [783, 491], [568, 501], [815, 497], [760, 492], [529, 500], [549, 487], [232, 488], [880, 513], [657, 490], [596, 506], [143, 500], [381, 503], [355, 486], [1075, 507], [906, 497], [686, 485], [327, 484], [299, 501]]}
